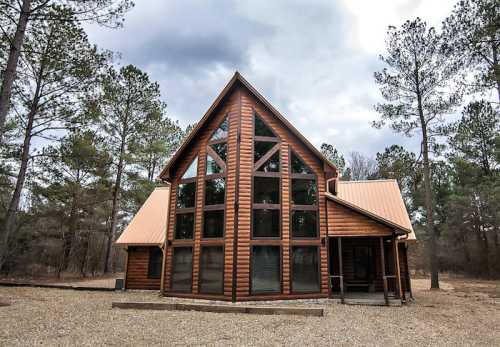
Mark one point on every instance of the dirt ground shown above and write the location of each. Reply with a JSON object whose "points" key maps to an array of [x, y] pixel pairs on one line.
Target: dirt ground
{"points": [[463, 313]]}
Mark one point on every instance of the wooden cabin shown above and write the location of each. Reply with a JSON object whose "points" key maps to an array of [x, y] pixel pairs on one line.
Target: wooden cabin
{"points": [[253, 211]]}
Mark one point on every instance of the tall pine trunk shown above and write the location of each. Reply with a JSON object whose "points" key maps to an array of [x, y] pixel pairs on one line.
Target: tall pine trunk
{"points": [[10, 217], [496, 68], [115, 208], [11, 68], [427, 185]]}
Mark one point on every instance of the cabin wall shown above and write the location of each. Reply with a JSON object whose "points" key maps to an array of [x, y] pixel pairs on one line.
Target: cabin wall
{"points": [[344, 221], [137, 270]]}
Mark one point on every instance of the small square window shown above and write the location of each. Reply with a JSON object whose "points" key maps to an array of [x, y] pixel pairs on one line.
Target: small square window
{"points": [[266, 190], [213, 224], [184, 226], [266, 223], [304, 224], [215, 191], [304, 191], [186, 195]]}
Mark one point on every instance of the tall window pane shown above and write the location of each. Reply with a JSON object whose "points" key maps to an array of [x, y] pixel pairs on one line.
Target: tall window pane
{"points": [[304, 224], [186, 195], [215, 191], [184, 226], [304, 192], [182, 269], [266, 223], [266, 190], [266, 264], [212, 270], [305, 270], [213, 224]]}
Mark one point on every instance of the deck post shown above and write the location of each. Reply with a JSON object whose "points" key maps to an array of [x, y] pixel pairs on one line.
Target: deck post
{"points": [[341, 272], [382, 264], [396, 266]]}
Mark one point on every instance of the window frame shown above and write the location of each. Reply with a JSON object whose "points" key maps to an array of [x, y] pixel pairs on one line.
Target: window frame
{"points": [[252, 292], [212, 245], [294, 207], [223, 165], [182, 210], [256, 173], [191, 246], [318, 252]]}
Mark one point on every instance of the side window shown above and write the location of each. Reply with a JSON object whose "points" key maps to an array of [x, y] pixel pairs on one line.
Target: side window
{"points": [[155, 262]]}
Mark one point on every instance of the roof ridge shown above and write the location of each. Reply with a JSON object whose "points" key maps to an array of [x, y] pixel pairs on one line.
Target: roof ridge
{"points": [[370, 181]]}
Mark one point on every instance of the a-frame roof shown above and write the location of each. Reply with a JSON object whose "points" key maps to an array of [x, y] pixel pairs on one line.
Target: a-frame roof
{"points": [[235, 80]]}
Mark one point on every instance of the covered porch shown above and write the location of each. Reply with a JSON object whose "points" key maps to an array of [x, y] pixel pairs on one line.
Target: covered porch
{"points": [[368, 270]]}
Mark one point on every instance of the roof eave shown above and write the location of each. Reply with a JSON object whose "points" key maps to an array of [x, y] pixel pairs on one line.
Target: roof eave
{"points": [[369, 214]]}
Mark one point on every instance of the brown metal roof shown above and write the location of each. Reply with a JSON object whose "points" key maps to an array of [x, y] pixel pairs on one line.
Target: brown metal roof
{"points": [[164, 175], [379, 199], [149, 225]]}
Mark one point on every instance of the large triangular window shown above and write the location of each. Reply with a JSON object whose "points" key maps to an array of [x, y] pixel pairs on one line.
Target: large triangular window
{"points": [[221, 132], [191, 170], [212, 166]]}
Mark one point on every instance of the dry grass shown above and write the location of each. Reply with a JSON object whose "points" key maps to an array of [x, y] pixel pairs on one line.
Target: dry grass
{"points": [[463, 313]]}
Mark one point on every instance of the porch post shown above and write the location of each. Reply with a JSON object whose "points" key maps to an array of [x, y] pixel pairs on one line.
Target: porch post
{"points": [[396, 265], [382, 263], [341, 271]]}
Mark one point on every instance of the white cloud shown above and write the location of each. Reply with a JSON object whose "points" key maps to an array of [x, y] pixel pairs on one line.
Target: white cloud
{"points": [[313, 60]]}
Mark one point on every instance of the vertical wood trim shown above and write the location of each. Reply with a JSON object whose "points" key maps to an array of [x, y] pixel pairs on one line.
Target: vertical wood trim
{"points": [[236, 204]]}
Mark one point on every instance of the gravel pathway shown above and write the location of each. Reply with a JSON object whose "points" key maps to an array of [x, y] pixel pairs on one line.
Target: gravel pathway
{"points": [[458, 315]]}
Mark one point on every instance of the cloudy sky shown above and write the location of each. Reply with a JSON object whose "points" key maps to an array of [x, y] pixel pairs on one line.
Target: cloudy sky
{"points": [[313, 60]]}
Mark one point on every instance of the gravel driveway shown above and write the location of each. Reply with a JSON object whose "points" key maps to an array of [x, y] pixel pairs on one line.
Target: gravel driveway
{"points": [[464, 313]]}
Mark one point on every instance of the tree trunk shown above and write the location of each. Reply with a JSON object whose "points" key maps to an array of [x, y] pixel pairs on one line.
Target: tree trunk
{"points": [[11, 68], [496, 68], [115, 208], [10, 217], [486, 254], [427, 184]]}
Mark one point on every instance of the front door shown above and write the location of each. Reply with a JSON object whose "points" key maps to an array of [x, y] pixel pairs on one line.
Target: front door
{"points": [[362, 256]]}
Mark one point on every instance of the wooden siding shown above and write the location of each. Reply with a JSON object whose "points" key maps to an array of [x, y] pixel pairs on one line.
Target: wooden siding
{"points": [[230, 108], [137, 270], [346, 222]]}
